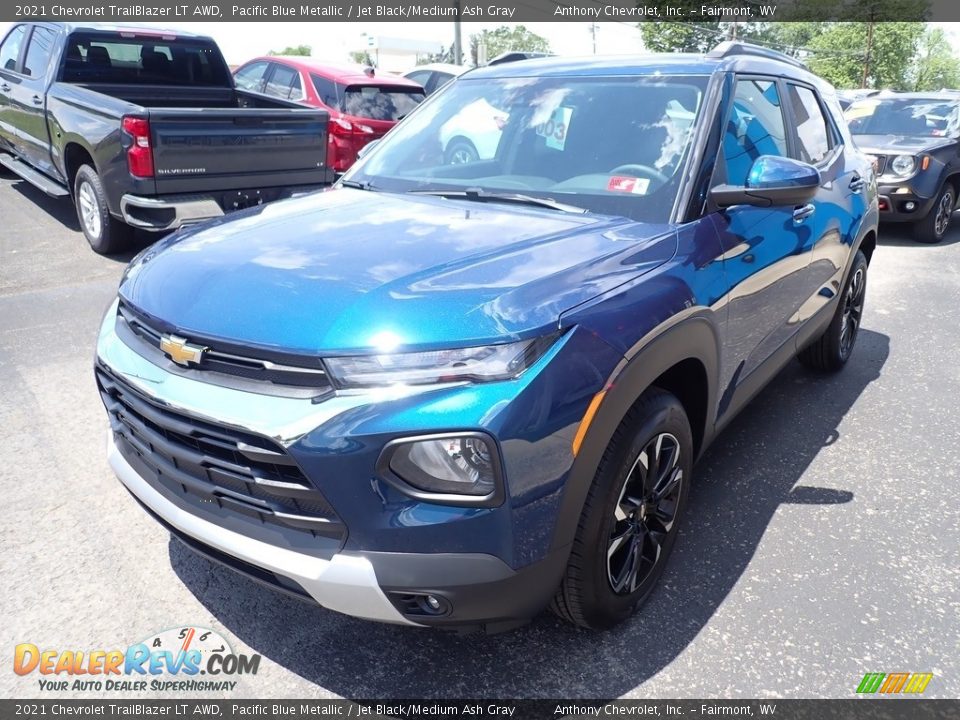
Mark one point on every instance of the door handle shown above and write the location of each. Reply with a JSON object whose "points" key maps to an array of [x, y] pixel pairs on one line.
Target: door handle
{"points": [[37, 100], [5, 87], [803, 212]]}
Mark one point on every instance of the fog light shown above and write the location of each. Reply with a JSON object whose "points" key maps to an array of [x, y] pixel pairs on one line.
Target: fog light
{"points": [[451, 464], [910, 206], [421, 603]]}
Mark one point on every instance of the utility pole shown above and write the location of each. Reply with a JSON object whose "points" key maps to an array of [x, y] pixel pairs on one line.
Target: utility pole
{"points": [[457, 43], [733, 30], [866, 62], [593, 36]]}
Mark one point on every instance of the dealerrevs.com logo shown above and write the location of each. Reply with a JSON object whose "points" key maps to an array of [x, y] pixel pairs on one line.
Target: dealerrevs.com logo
{"points": [[187, 659]]}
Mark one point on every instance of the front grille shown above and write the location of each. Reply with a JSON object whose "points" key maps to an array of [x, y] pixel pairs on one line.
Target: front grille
{"points": [[881, 164], [240, 364], [222, 470]]}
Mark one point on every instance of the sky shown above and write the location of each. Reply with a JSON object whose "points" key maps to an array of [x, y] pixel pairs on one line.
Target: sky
{"points": [[241, 41]]}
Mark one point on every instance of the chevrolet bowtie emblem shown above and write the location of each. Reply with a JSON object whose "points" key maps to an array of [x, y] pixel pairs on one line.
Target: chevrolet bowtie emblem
{"points": [[181, 351]]}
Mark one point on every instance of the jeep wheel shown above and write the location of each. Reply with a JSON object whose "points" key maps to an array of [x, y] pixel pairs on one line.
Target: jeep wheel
{"points": [[933, 227], [105, 233], [830, 351], [630, 518]]}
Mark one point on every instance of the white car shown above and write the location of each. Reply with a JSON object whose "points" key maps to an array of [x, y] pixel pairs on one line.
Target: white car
{"points": [[473, 133], [435, 75]]}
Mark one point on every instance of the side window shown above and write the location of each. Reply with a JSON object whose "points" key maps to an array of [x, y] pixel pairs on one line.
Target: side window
{"points": [[812, 129], [296, 88], [38, 52], [280, 83], [441, 79], [421, 77], [10, 50], [755, 128], [326, 90], [251, 76]]}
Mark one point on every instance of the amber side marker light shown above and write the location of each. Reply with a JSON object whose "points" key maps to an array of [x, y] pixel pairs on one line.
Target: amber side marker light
{"points": [[587, 419], [925, 163]]}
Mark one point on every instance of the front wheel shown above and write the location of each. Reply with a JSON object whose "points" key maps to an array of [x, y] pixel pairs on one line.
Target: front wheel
{"points": [[105, 233], [933, 227], [630, 518], [830, 351]]}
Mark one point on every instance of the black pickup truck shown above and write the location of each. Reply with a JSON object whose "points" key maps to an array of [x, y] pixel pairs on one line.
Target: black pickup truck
{"points": [[146, 129]]}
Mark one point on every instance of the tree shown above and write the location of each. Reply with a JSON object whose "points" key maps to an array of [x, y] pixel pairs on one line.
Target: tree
{"points": [[700, 37], [935, 66], [444, 56], [866, 54], [362, 57], [301, 50], [506, 38]]}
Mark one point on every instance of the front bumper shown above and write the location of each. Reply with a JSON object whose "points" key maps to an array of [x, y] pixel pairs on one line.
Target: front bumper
{"points": [[899, 202], [345, 583]]}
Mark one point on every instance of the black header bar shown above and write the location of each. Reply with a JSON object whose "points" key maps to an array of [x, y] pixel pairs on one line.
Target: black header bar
{"points": [[631, 11]]}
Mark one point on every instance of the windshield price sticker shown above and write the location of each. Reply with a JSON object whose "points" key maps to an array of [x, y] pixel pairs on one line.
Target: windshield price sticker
{"points": [[555, 129]]}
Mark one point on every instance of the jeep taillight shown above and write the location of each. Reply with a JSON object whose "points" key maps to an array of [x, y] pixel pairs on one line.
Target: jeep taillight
{"points": [[140, 152]]}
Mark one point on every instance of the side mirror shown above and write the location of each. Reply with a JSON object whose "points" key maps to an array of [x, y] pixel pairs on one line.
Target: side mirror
{"points": [[361, 153], [772, 181]]}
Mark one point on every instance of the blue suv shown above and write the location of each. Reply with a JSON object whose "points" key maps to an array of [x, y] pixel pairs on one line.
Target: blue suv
{"points": [[450, 392]]}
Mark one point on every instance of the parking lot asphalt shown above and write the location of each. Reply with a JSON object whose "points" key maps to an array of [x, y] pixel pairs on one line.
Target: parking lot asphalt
{"points": [[821, 541]]}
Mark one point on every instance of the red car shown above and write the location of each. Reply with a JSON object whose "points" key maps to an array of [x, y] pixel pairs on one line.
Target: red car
{"points": [[362, 104]]}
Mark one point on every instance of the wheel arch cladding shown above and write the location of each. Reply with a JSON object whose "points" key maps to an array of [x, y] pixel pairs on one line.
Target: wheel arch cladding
{"points": [[683, 360], [868, 245]]}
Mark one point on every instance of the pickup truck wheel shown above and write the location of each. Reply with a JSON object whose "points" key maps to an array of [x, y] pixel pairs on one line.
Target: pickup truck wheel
{"points": [[105, 233], [933, 227], [830, 351], [630, 518]]}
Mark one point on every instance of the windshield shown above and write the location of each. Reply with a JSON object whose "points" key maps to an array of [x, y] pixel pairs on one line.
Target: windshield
{"points": [[611, 145], [918, 117]]}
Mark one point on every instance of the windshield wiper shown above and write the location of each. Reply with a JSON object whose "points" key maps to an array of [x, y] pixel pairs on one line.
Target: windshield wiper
{"points": [[478, 195], [357, 184]]}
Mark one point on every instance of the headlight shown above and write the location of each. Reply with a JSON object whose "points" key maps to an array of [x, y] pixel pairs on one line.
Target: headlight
{"points": [[457, 468], [476, 364], [903, 165]]}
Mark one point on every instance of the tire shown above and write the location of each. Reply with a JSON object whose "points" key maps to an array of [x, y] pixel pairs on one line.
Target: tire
{"points": [[931, 229], [460, 151], [598, 590], [105, 233], [830, 351]]}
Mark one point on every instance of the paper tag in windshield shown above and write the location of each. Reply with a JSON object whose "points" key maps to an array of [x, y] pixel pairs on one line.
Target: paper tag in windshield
{"points": [[555, 129], [621, 183]]}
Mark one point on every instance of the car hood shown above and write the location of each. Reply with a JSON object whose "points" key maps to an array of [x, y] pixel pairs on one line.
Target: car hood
{"points": [[898, 144], [348, 270]]}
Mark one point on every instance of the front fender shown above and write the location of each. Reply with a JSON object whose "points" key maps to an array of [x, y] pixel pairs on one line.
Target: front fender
{"points": [[686, 336]]}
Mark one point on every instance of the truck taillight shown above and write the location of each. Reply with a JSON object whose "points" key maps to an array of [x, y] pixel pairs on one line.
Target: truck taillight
{"points": [[140, 152]]}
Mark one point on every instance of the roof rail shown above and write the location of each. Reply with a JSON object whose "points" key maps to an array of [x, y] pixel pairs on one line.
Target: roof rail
{"points": [[729, 48]]}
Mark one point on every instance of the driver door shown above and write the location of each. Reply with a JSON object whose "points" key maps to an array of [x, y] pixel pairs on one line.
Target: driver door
{"points": [[765, 249]]}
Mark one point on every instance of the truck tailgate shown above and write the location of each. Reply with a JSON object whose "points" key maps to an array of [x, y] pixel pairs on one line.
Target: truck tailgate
{"points": [[204, 150]]}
